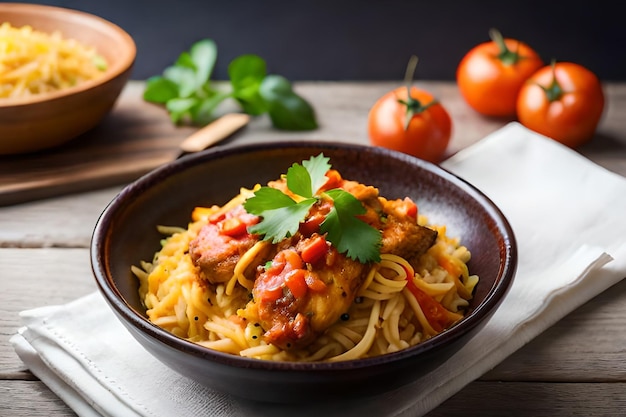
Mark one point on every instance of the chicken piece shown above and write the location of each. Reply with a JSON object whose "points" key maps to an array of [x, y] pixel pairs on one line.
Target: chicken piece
{"points": [[295, 313], [221, 243], [401, 235]]}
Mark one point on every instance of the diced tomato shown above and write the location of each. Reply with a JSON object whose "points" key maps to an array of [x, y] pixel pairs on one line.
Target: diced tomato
{"points": [[293, 259], [312, 224], [435, 313], [295, 282], [314, 283], [411, 208], [334, 180], [269, 288], [314, 249], [216, 218], [234, 227]]}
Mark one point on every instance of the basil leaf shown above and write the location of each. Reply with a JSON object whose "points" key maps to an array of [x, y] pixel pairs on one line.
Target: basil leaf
{"points": [[187, 83], [184, 77], [180, 107], [184, 60], [160, 90], [204, 55], [287, 110], [246, 74], [203, 112]]}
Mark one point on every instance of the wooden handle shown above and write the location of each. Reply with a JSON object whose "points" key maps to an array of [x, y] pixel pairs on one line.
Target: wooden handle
{"points": [[214, 132]]}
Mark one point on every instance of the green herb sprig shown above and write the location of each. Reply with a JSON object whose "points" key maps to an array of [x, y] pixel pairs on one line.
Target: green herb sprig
{"points": [[281, 215], [186, 91]]}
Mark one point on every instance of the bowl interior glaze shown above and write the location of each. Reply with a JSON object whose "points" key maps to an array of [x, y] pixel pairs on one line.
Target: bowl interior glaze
{"points": [[126, 233]]}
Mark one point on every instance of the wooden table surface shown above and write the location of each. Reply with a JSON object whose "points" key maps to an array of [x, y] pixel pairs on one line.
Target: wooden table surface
{"points": [[575, 368]]}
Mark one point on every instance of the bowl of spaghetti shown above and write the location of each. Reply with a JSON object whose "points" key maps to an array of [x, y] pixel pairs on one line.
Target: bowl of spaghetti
{"points": [[275, 270], [61, 72]]}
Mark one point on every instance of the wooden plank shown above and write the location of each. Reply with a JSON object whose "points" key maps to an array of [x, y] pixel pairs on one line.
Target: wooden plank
{"points": [[485, 399], [30, 399], [523, 399], [65, 221], [34, 278]]}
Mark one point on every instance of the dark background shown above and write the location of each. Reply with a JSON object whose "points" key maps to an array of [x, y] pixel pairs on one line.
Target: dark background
{"points": [[366, 39]]}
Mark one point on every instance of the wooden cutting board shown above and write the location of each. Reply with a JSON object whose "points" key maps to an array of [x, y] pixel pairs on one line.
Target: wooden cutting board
{"points": [[133, 139]]}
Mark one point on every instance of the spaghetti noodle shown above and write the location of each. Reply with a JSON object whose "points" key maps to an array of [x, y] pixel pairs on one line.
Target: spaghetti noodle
{"points": [[398, 305], [34, 62]]}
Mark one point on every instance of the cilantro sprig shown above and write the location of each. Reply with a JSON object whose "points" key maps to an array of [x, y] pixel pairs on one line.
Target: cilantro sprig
{"points": [[186, 90], [281, 214]]}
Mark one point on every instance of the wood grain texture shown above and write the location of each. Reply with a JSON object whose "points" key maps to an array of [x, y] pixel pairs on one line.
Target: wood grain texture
{"points": [[138, 136], [575, 368]]}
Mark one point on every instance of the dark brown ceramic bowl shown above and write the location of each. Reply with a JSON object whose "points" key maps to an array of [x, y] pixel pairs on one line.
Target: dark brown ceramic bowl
{"points": [[126, 233], [43, 121]]}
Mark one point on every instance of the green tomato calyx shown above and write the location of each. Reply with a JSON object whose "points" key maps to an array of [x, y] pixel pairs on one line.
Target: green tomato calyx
{"points": [[506, 56], [413, 105], [554, 91]]}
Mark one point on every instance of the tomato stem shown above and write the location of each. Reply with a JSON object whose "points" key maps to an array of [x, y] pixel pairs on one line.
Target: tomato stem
{"points": [[413, 106], [554, 91], [409, 74], [507, 56]]}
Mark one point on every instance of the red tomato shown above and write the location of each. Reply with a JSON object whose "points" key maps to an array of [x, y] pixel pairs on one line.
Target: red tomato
{"points": [[563, 101], [437, 316], [314, 249], [425, 133], [491, 74]]}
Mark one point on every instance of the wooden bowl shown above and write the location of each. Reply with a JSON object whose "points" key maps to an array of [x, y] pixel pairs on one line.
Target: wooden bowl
{"points": [[126, 233], [50, 119]]}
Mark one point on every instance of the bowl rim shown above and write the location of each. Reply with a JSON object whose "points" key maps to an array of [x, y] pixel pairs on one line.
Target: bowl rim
{"points": [[115, 299], [118, 67]]}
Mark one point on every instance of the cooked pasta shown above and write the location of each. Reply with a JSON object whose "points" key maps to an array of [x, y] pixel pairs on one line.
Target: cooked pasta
{"points": [[398, 304], [34, 62]]}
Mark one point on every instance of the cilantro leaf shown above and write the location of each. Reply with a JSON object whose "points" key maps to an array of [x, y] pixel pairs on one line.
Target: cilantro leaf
{"points": [[280, 223], [347, 233], [299, 181], [317, 167], [267, 198], [281, 215]]}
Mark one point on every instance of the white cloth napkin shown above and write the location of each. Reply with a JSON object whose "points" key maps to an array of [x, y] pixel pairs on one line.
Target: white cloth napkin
{"points": [[567, 214]]}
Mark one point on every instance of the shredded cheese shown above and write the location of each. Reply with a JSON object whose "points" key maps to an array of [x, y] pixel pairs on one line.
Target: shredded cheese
{"points": [[34, 62]]}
